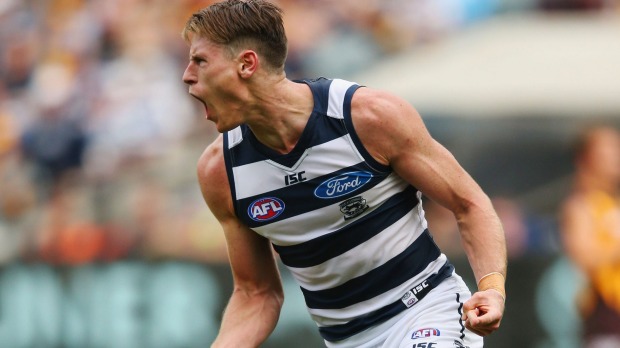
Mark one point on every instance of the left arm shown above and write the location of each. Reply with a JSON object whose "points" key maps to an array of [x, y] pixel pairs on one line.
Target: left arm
{"points": [[394, 134]]}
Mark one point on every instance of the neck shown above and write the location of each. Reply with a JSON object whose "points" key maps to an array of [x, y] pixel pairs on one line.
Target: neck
{"points": [[279, 112]]}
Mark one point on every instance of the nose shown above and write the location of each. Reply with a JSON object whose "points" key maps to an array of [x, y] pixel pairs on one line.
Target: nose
{"points": [[189, 77]]}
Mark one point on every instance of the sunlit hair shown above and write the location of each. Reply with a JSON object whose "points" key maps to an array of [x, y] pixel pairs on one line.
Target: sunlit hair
{"points": [[243, 24]]}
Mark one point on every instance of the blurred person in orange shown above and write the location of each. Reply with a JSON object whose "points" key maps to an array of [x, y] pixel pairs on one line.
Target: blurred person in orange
{"points": [[590, 223], [331, 176]]}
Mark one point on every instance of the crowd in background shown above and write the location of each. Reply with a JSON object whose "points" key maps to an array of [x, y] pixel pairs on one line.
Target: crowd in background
{"points": [[99, 139]]}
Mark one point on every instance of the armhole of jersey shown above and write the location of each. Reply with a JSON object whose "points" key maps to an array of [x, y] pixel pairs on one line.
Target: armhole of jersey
{"points": [[348, 122], [229, 171]]}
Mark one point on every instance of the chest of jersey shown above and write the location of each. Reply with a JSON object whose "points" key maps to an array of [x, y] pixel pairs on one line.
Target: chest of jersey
{"points": [[328, 187]]}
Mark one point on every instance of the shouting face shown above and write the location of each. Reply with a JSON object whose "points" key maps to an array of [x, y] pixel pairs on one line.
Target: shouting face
{"points": [[212, 76]]}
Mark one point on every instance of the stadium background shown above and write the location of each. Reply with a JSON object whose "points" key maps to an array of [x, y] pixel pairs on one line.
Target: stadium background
{"points": [[104, 238]]}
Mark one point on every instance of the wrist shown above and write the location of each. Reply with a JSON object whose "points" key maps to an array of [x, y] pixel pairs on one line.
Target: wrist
{"points": [[493, 281]]}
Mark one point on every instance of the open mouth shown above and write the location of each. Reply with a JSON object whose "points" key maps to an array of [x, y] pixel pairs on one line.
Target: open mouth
{"points": [[203, 103]]}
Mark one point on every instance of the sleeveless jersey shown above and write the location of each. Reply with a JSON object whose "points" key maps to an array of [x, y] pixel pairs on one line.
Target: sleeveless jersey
{"points": [[606, 278], [350, 230]]}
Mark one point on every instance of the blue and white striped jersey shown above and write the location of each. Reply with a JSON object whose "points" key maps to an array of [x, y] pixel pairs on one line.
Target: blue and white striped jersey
{"points": [[351, 231]]}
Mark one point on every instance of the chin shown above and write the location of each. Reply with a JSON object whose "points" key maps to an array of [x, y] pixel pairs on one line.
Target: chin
{"points": [[224, 127]]}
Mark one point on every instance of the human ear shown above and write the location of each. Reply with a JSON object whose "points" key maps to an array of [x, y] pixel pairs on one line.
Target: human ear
{"points": [[248, 63]]}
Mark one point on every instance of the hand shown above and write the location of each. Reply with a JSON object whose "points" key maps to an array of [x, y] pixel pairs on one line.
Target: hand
{"points": [[483, 312]]}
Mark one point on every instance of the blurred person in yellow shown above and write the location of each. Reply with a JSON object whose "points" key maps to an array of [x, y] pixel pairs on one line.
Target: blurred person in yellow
{"points": [[331, 176], [590, 223]]}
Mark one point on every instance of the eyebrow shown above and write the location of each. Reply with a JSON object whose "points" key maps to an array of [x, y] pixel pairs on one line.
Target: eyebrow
{"points": [[195, 56]]}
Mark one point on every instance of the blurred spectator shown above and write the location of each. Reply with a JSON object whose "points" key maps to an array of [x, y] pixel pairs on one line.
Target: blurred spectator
{"points": [[8, 131], [55, 141], [17, 209], [590, 219], [17, 52], [68, 234]]}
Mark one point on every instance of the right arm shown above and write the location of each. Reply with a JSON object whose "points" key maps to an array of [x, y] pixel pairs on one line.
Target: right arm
{"points": [[254, 306], [393, 132]]}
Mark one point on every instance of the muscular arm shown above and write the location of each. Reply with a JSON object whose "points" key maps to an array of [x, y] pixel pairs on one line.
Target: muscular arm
{"points": [[254, 306], [394, 134]]}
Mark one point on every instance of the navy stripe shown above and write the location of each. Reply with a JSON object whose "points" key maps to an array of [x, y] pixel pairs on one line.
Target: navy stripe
{"points": [[319, 130], [460, 311], [393, 273], [320, 91], [356, 140], [300, 199], [228, 160], [321, 249], [243, 153], [340, 332]]}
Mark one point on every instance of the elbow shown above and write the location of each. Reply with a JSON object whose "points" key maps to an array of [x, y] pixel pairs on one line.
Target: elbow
{"points": [[271, 296], [277, 295], [472, 207], [275, 300], [477, 219], [275, 292]]}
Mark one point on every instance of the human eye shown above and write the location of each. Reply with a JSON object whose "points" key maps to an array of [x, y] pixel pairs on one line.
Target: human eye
{"points": [[197, 60]]}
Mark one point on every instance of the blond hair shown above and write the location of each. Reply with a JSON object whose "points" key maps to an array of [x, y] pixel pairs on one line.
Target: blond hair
{"points": [[240, 24]]}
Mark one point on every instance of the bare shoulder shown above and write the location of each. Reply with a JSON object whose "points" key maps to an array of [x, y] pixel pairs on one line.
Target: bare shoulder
{"points": [[377, 106], [211, 159], [213, 180], [385, 122]]}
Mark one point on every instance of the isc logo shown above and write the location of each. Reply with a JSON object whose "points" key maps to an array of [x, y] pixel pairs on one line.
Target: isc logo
{"points": [[425, 345], [265, 209], [419, 287]]}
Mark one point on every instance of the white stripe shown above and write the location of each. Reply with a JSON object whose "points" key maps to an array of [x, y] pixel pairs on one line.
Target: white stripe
{"points": [[377, 251], [234, 137], [313, 224], [315, 164], [420, 211], [337, 90]]}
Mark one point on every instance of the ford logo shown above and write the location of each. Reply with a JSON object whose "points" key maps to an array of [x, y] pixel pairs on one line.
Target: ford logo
{"points": [[342, 184]]}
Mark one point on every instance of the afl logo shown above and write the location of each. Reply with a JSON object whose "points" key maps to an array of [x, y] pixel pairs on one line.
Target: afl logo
{"points": [[425, 333], [265, 209], [342, 184]]}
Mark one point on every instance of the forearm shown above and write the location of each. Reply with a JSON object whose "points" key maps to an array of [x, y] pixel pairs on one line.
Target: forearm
{"points": [[483, 239], [249, 319]]}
